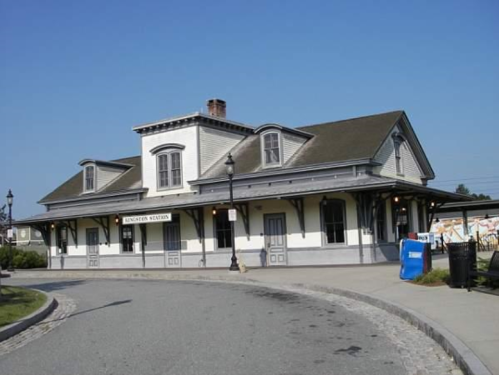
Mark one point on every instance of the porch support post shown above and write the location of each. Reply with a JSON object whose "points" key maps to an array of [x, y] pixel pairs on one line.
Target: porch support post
{"points": [[243, 209], [359, 231], [297, 203], [143, 242], [197, 216], [465, 222], [366, 206], [103, 221], [73, 228]]}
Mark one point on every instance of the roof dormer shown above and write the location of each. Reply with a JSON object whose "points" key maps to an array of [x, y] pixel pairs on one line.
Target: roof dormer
{"points": [[279, 143], [97, 174]]}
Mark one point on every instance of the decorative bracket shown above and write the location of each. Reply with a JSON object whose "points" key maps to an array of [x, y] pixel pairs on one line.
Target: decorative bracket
{"points": [[243, 209], [197, 216], [433, 210], [73, 228], [297, 203], [366, 208], [368, 205], [103, 221], [44, 229]]}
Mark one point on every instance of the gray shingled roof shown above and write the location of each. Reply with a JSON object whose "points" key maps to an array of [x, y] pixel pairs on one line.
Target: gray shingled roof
{"points": [[339, 141], [333, 142], [73, 188]]}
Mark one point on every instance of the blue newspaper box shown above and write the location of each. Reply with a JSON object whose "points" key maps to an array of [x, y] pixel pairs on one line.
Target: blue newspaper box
{"points": [[413, 259]]}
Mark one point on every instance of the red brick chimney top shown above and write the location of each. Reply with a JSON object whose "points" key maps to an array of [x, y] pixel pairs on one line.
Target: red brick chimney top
{"points": [[216, 107]]}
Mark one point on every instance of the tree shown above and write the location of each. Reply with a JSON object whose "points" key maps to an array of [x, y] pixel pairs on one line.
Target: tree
{"points": [[3, 223], [462, 189]]}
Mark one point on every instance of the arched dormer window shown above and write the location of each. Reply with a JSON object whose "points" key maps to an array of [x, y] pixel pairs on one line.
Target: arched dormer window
{"points": [[169, 165], [398, 141], [89, 179], [271, 147]]}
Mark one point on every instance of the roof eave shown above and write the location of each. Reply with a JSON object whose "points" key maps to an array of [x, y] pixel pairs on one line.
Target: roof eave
{"points": [[94, 196], [436, 192], [286, 129], [191, 117], [106, 163], [385, 185], [279, 171]]}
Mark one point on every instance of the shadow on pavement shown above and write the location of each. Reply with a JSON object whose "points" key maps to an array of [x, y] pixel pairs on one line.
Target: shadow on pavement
{"points": [[55, 285], [116, 303]]}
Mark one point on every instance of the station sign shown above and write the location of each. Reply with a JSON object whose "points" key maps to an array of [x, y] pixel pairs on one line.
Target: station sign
{"points": [[143, 219]]}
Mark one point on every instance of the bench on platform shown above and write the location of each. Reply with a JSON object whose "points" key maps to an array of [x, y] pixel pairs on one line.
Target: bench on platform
{"points": [[492, 272]]}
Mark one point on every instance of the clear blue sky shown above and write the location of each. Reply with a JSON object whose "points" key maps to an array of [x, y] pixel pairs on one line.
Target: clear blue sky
{"points": [[75, 76]]}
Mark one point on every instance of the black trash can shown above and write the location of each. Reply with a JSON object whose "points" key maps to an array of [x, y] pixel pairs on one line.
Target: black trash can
{"points": [[462, 258]]}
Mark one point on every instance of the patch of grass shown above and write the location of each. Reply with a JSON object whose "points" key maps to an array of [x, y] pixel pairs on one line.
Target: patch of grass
{"points": [[435, 277], [16, 303]]}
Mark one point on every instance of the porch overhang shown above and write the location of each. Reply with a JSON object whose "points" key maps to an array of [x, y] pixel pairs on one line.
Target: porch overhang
{"points": [[375, 184]]}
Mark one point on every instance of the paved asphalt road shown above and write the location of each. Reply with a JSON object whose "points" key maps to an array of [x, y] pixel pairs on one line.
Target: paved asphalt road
{"points": [[144, 327]]}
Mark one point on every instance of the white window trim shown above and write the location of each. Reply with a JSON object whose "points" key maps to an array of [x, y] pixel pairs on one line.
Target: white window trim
{"points": [[215, 231], [85, 190], [170, 179], [333, 245], [262, 149], [120, 236]]}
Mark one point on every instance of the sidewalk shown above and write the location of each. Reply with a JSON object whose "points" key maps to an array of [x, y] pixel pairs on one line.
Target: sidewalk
{"points": [[472, 317]]}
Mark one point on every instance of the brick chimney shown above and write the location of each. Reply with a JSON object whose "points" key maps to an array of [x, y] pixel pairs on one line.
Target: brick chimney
{"points": [[216, 107]]}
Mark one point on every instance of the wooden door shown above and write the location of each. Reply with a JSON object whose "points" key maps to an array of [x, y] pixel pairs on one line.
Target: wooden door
{"points": [[275, 239]]}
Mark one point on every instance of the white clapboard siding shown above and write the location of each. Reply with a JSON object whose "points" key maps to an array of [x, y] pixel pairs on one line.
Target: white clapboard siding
{"points": [[186, 137], [386, 156], [290, 144], [214, 144], [105, 175]]}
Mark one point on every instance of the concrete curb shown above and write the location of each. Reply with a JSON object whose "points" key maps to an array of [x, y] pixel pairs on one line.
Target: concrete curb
{"points": [[40, 314], [464, 357]]}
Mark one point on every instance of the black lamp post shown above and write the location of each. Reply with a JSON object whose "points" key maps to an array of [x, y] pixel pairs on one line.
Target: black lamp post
{"points": [[10, 201], [229, 165]]}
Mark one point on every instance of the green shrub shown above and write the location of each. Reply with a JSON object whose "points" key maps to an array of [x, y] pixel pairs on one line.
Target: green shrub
{"points": [[22, 259], [435, 276]]}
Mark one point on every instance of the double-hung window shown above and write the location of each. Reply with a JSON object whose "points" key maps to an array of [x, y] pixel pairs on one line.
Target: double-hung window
{"points": [[271, 149], [169, 170], [89, 178], [127, 238], [223, 230], [333, 219]]}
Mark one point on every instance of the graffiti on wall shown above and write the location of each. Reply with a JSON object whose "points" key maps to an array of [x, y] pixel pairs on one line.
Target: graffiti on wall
{"points": [[453, 229]]}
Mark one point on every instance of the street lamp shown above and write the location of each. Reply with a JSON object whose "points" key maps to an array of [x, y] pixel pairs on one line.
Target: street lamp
{"points": [[10, 201], [229, 167]]}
